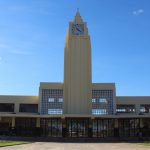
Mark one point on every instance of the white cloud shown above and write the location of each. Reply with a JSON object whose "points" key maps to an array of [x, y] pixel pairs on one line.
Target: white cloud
{"points": [[138, 12]]}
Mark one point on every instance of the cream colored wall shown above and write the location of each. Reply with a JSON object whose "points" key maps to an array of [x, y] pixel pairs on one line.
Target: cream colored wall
{"points": [[18, 100], [135, 100], [51, 85], [77, 72], [103, 86]]}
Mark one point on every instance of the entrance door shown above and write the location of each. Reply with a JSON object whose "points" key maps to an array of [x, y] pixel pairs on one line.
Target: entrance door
{"points": [[103, 128], [77, 127], [51, 127]]}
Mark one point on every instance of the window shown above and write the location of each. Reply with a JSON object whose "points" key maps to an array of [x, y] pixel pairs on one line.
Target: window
{"points": [[60, 100], [55, 111], [93, 100], [145, 108], [6, 107], [51, 99], [30, 108], [99, 111], [102, 100], [125, 109]]}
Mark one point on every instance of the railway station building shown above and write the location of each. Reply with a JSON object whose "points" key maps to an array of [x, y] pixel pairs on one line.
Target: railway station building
{"points": [[77, 107]]}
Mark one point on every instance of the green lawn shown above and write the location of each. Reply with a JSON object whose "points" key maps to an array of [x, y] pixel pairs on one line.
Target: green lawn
{"points": [[11, 143], [146, 143]]}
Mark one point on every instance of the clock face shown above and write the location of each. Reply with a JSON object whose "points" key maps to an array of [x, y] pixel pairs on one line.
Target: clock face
{"points": [[78, 29]]}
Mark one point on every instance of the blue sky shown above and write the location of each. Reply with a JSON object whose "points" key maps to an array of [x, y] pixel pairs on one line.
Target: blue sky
{"points": [[32, 36]]}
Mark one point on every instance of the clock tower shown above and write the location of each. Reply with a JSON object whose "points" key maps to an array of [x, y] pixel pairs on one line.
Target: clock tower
{"points": [[77, 68]]}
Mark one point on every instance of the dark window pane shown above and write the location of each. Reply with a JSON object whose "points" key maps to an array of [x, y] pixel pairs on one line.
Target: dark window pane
{"points": [[31, 108], [6, 107]]}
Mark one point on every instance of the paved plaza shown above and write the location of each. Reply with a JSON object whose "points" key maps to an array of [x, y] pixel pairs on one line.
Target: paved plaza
{"points": [[76, 146]]}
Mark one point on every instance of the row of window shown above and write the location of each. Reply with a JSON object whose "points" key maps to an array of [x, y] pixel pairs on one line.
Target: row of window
{"points": [[145, 108], [52, 91], [101, 111], [131, 108], [9, 107], [94, 111], [33, 108], [101, 100], [6, 107], [94, 100], [102, 92], [60, 100], [55, 111], [124, 110]]}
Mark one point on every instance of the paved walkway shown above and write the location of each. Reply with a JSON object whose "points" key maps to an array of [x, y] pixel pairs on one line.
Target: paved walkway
{"points": [[76, 146]]}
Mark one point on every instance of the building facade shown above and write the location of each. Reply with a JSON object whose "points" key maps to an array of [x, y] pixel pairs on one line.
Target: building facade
{"points": [[77, 107]]}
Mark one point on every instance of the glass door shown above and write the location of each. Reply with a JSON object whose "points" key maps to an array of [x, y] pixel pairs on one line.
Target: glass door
{"points": [[77, 127]]}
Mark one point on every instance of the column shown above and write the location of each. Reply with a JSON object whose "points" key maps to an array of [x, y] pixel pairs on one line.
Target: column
{"points": [[141, 123], [17, 107], [12, 128], [38, 122], [64, 128], [137, 107], [90, 128], [116, 128], [13, 122], [37, 131]]}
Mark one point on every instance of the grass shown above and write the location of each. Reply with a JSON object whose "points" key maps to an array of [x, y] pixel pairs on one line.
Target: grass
{"points": [[145, 143], [11, 143]]}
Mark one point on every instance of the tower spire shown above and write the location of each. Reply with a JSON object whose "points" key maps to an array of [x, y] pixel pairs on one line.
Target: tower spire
{"points": [[78, 18]]}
